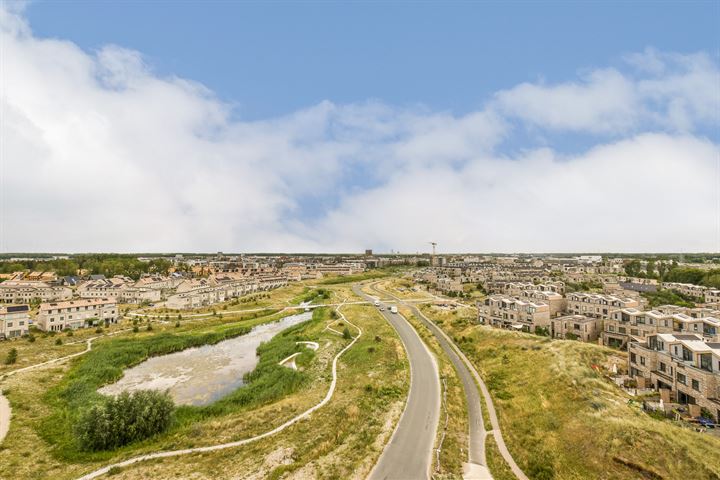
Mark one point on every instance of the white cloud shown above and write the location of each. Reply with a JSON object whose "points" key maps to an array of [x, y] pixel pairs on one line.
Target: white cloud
{"points": [[667, 90], [98, 153]]}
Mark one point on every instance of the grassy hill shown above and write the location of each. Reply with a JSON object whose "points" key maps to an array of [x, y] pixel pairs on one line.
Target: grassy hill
{"points": [[562, 420]]}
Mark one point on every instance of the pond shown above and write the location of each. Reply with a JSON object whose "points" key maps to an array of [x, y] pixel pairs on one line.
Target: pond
{"points": [[202, 375]]}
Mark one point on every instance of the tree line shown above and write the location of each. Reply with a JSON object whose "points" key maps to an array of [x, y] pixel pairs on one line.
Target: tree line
{"points": [[94, 264]]}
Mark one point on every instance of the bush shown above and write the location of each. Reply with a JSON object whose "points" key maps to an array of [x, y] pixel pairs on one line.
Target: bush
{"points": [[124, 419], [11, 356], [31, 338], [346, 333], [69, 333], [149, 327], [177, 324], [58, 341], [136, 329], [98, 330]]}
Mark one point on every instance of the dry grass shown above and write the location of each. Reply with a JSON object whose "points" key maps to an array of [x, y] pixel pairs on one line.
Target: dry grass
{"points": [[561, 419], [342, 440]]}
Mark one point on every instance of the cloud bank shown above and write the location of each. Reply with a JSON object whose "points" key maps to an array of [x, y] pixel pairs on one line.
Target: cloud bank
{"points": [[99, 153]]}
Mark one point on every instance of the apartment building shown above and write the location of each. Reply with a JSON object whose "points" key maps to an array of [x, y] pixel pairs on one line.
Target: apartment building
{"points": [[597, 305], [576, 327], [136, 295], [684, 364], [555, 301], [205, 292], [630, 324], [449, 284], [25, 291], [104, 287], [507, 312], [712, 295], [687, 289], [74, 314], [514, 289], [14, 321]]}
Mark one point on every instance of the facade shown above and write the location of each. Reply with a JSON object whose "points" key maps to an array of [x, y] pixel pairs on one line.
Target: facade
{"points": [[507, 312], [23, 291], [576, 327], [555, 301], [14, 321], [104, 287], [631, 324], [687, 289], [448, 284], [597, 305], [201, 293], [712, 295], [684, 364], [74, 314]]}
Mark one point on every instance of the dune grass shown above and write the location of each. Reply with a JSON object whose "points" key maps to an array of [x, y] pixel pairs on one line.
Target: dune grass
{"points": [[562, 420]]}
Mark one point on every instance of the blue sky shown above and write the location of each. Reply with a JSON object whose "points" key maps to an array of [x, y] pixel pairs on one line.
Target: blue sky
{"points": [[270, 58], [486, 127]]}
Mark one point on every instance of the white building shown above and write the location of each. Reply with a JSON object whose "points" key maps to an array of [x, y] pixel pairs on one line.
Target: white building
{"points": [[14, 321], [74, 314]]}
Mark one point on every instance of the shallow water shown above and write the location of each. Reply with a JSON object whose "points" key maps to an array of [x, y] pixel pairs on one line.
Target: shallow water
{"points": [[199, 376]]}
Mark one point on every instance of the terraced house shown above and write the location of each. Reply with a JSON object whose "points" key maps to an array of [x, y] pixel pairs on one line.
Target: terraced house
{"points": [[597, 305], [507, 312], [684, 364], [555, 301], [25, 291], [576, 327], [74, 314], [631, 324], [687, 289], [14, 321]]}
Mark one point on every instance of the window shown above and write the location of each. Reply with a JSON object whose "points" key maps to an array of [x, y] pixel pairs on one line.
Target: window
{"points": [[681, 378], [642, 360], [695, 385], [633, 358], [687, 355], [662, 367], [706, 362]]}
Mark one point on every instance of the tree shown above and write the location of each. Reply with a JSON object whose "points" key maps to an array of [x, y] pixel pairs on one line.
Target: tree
{"points": [[346, 333], [11, 356]]}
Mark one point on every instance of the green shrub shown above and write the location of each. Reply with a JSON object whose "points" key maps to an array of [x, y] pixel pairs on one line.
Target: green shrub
{"points": [[31, 338], [11, 356], [124, 419], [58, 341]]}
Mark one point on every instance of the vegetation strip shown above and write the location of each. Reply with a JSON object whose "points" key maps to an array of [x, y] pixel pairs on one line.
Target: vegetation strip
{"points": [[307, 413]]}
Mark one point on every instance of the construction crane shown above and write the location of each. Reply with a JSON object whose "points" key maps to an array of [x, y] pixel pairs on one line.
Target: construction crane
{"points": [[434, 244]]}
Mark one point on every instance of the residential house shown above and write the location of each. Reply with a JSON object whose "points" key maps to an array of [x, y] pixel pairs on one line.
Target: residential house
{"points": [[14, 321], [74, 314], [684, 364]]}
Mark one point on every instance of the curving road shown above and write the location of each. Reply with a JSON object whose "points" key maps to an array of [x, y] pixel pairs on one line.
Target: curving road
{"points": [[476, 468], [408, 455]]}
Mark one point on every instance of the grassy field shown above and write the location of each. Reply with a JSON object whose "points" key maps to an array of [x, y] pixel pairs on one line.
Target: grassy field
{"points": [[562, 420], [402, 288], [342, 440]]}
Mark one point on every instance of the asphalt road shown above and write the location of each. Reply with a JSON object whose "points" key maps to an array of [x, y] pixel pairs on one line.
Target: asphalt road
{"points": [[408, 455], [476, 467]]}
